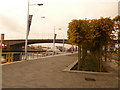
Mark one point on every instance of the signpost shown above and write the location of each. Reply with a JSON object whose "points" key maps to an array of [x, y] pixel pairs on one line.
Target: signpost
{"points": [[2, 46], [1, 49]]}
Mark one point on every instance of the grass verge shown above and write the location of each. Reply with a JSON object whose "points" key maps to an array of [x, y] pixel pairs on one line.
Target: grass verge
{"points": [[90, 64]]}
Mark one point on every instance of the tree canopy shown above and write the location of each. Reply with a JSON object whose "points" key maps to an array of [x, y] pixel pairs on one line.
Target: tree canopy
{"points": [[90, 35], [94, 33], [117, 18]]}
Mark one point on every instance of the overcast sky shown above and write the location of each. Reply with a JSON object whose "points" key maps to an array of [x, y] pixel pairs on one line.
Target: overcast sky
{"points": [[13, 16]]}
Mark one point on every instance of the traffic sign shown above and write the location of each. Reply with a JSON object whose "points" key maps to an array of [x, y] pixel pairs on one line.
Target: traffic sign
{"points": [[3, 45]]}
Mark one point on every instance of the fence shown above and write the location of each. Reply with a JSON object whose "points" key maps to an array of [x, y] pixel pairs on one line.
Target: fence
{"points": [[18, 56]]}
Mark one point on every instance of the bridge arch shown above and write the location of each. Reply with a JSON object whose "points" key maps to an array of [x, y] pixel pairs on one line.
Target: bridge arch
{"points": [[16, 45]]}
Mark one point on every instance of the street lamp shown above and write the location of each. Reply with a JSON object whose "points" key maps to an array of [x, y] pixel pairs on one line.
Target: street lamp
{"points": [[63, 41], [37, 4], [54, 41], [27, 31]]}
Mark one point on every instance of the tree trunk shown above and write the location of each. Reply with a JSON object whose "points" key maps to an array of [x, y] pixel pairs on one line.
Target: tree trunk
{"points": [[100, 58], [105, 53], [79, 56], [84, 52]]}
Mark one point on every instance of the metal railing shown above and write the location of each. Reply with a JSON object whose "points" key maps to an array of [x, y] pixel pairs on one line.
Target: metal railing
{"points": [[18, 56]]}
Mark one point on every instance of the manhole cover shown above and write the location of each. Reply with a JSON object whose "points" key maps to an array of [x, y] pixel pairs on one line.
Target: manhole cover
{"points": [[90, 79]]}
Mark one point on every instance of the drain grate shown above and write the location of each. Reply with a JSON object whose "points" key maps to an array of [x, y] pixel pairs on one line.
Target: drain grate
{"points": [[90, 79]]}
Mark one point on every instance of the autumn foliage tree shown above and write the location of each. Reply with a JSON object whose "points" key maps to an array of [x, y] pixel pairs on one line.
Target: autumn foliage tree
{"points": [[77, 35], [90, 35]]}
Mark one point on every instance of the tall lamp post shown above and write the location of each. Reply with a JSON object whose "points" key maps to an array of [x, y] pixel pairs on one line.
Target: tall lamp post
{"points": [[27, 31], [63, 41], [54, 41]]}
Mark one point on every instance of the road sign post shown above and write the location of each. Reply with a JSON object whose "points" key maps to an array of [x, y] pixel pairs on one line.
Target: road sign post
{"points": [[1, 47], [0, 52]]}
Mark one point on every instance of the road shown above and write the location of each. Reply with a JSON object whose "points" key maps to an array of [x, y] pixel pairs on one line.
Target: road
{"points": [[48, 73]]}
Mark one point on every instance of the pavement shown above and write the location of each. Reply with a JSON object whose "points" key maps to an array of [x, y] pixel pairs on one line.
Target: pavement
{"points": [[48, 73], [113, 68]]}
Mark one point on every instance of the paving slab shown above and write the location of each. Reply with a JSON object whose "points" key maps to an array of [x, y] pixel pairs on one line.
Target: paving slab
{"points": [[48, 73]]}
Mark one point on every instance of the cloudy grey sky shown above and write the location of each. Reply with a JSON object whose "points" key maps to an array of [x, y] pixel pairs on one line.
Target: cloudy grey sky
{"points": [[13, 16]]}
